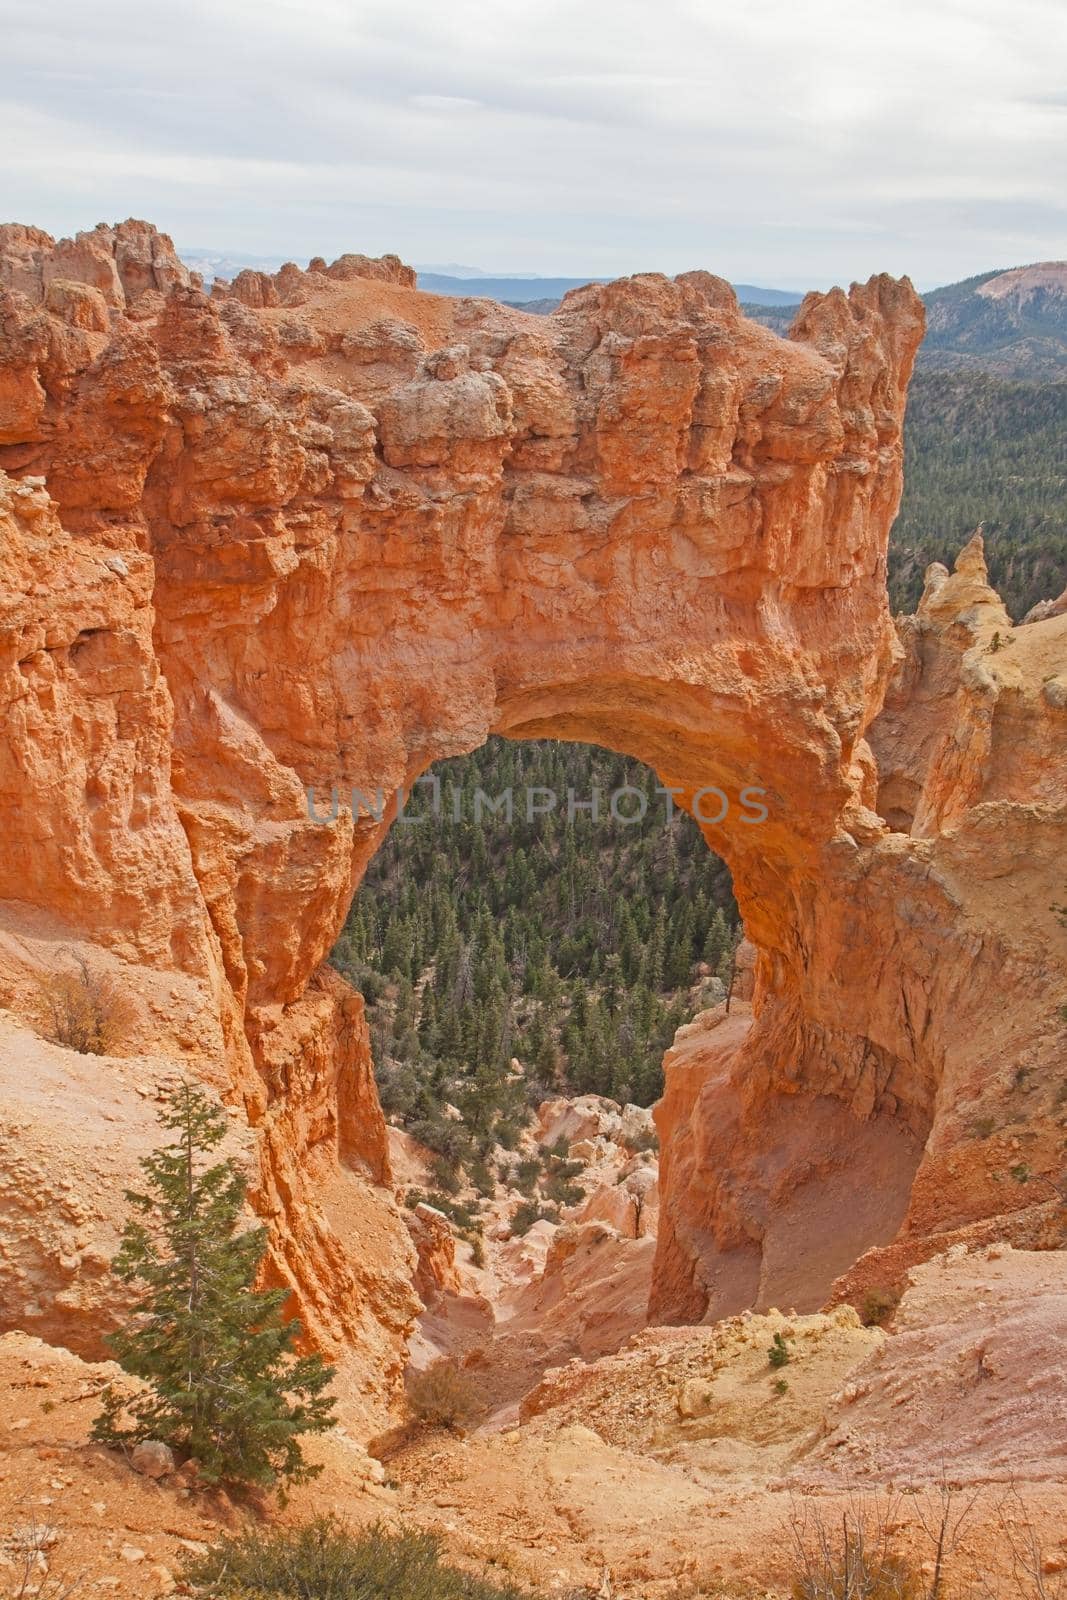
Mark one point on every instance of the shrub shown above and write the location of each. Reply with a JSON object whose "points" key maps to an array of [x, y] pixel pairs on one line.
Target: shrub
{"points": [[444, 1136], [446, 1174], [1025, 1570], [507, 1133], [526, 1214], [536, 1091], [481, 1178], [325, 1560], [878, 1306], [850, 1560], [856, 1554], [398, 1086], [527, 1173], [445, 1396], [645, 1140], [563, 1168], [563, 1193], [26, 1549], [778, 1354], [854, 1574], [559, 1185], [462, 1217], [83, 1010]]}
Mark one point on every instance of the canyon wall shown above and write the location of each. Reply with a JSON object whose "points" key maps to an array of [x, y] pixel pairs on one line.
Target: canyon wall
{"points": [[320, 529], [805, 1159]]}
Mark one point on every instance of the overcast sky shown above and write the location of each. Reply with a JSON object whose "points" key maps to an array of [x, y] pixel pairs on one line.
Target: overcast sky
{"points": [[785, 142]]}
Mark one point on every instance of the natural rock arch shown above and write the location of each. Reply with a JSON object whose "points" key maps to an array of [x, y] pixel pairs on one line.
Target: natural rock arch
{"points": [[320, 529]]}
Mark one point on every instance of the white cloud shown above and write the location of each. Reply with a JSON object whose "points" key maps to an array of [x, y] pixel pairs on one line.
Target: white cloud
{"points": [[789, 143]]}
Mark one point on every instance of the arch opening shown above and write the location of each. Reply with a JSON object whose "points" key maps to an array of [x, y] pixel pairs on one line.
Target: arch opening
{"points": [[477, 1020], [543, 901], [539, 921]]}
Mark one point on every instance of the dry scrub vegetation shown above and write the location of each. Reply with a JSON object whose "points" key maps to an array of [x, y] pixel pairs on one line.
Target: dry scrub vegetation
{"points": [[869, 1552], [445, 1396], [26, 1565], [83, 1010], [324, 1560]]}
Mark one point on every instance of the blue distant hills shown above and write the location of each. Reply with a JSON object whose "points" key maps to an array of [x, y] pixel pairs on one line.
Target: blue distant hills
{"points": [[516, 290]]}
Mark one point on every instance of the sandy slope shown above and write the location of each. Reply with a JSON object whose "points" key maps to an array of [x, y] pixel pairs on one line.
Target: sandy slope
{"points": [[671, 1468]]}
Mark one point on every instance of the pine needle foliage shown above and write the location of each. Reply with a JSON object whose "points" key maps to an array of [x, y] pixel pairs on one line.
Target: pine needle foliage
{"points": [[224, 1385]]}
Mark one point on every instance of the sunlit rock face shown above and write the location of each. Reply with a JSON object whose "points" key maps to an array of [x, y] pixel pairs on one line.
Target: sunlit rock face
{"points": [[320, 529]]}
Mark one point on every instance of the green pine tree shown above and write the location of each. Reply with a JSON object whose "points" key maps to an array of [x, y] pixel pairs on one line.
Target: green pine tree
{"points": [[224, 1386]]}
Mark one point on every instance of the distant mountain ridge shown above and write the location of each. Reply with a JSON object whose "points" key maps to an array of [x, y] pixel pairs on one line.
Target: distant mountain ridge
{"points": [[212, 264], [519, 291], [513, 288], [1011, 323], [514, 291]]}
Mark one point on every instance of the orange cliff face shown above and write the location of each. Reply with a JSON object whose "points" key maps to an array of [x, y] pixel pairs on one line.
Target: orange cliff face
{"points": [[805, 1159], [322, 529]]}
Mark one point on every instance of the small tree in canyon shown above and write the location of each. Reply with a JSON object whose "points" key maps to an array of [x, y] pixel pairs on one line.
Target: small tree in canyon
{"points": [[224, 1385]]}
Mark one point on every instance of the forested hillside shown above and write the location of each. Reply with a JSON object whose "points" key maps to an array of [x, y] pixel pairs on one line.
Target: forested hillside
{"points": [[576, 946], [1012, 324], [985, 440], [978, 449]]}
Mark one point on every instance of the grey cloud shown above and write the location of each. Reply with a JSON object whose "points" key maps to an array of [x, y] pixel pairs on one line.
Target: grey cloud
{"points": [[796, 147]]}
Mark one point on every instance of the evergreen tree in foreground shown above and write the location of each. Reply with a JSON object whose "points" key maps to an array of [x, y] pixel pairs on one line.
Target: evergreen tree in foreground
{"points": [[224, 1385]]}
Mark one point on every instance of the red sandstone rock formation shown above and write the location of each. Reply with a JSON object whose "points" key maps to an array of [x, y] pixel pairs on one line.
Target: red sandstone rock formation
{"points": [[320, 529], [943, 1124], [432, 1236]]}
